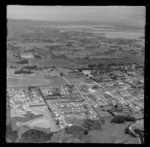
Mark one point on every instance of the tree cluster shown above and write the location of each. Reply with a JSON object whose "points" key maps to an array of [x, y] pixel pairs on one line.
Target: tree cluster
{"points": [[122, 119], [10, 134], [23, 72], [35, 136], [25, 61]]}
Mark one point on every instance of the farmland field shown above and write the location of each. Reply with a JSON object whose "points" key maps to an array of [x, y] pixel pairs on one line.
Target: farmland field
{"points": [[25, 82]]}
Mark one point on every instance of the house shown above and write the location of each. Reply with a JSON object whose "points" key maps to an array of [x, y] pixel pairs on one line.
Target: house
{"points": [[27, 55]]}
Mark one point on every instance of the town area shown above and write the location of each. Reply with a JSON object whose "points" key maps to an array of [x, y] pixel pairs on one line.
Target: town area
{"points": [[74, 97], [76, 81]]}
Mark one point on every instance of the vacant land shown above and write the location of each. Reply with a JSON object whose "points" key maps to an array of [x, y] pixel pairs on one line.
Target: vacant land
{"points": [[43, 119], [25, 82], [110, 133]]}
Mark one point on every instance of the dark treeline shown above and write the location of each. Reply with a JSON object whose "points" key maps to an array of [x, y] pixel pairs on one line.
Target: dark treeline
{"points": [[32, 67], [25, 61], [23, 72]]}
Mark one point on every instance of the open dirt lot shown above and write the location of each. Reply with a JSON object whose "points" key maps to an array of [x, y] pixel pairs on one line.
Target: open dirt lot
{"points": [[45, 120], [25, 81]]}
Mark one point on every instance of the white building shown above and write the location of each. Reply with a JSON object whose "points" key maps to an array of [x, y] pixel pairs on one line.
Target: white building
{"points": [[27, 55], [87, 72]]}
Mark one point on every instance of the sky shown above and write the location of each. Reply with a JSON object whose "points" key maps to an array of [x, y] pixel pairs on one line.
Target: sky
{"points": [[134, 15]]}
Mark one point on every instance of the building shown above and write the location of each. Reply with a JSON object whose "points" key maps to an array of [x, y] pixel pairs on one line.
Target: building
{"points": [[27, 55], [87, 72]]}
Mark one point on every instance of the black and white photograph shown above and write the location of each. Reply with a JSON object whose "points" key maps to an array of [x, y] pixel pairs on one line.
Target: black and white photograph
{"points": [[75, 74]]}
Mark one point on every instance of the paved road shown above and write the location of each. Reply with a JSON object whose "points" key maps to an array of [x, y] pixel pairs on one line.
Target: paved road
{"points": [[66, 80], [79, 92], [85, 99], [134, 132]]}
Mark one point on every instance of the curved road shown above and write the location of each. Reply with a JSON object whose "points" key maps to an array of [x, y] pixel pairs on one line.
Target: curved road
{"points": [[139, 136]]}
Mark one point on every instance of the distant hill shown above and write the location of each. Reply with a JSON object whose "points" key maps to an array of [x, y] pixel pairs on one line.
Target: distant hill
{"points": [[25, 22]]}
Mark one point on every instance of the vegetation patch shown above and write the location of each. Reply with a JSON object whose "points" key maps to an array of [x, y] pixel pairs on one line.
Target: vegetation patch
{"points": [[23, 72], [122, 119], [92, 124], [10, 134], [25, 61], [76, 131], [35, 136]]}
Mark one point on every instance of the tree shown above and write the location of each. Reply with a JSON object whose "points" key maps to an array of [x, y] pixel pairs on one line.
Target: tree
{"points": [[86, 132], [92, 66], [61, 74], [101, 66], [114, 77], [95, 87]]}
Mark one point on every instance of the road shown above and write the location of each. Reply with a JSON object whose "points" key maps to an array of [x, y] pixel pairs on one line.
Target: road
{"points": [[85, 99], [66, 80], [80, 93], [134, 132]]}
